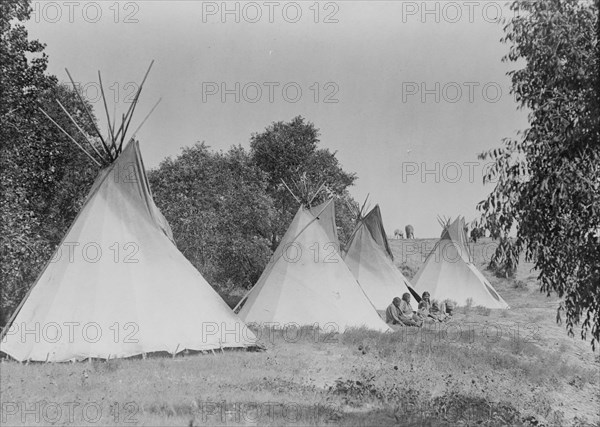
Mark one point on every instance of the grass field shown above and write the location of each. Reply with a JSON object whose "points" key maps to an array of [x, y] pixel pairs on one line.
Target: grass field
{"points": [[487, 367]]}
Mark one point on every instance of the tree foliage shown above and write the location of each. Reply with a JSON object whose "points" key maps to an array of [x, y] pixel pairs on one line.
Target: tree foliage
{"points": [[219, 210], [227, 210], [286, 151], [43, 176], [548, 180]]}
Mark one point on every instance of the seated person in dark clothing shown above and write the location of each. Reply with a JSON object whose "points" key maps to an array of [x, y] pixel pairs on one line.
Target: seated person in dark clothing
{"points": [[392, 313], [409, 316]]}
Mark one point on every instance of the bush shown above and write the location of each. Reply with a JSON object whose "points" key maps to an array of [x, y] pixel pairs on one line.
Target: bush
{"points": [[219, 211]]}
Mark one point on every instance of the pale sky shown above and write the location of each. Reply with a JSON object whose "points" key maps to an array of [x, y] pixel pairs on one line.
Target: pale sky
{"points": [[384, 62]]}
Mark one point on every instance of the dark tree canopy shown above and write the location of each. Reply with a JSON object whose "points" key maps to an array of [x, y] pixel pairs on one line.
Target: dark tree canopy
{"points": [[287, 151], [548, 180], [43, 176], [220, 212], [227, 210]]}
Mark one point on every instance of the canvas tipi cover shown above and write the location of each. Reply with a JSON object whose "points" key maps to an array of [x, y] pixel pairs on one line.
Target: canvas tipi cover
{"points": [[448, 272], [372, 265], [307, 282], [374, 223], [118, 286], [325, 214]]}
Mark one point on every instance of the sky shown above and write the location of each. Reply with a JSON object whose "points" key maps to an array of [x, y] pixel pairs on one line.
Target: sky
{"points": [[406, 92]]}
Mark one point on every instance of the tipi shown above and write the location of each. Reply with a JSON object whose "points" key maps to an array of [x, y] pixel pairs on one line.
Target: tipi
{"points": [[448, 272], [308, 283], [117, 285], [370, 259]]}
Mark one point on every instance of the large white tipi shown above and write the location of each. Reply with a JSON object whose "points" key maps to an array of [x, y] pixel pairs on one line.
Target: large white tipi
{"points": [[448, 272], [370, 259], [117, 285], [308, 283]]}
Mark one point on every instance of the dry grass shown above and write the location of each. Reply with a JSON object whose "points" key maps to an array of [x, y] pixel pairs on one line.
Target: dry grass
{"points": [[488, 367]]}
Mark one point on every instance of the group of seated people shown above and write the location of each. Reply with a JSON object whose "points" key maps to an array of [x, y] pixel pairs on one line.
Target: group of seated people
{"points": [[400, 312]]}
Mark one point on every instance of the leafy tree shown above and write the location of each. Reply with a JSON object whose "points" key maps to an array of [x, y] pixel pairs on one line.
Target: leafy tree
{"points": [[548, 180], [288, 151], [43, 176], [219, 211]]}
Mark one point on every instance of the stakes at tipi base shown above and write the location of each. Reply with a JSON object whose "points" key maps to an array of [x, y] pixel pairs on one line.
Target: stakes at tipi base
{"points": [[448, 272], [370, 259], [126, 290], [306, 281]]}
